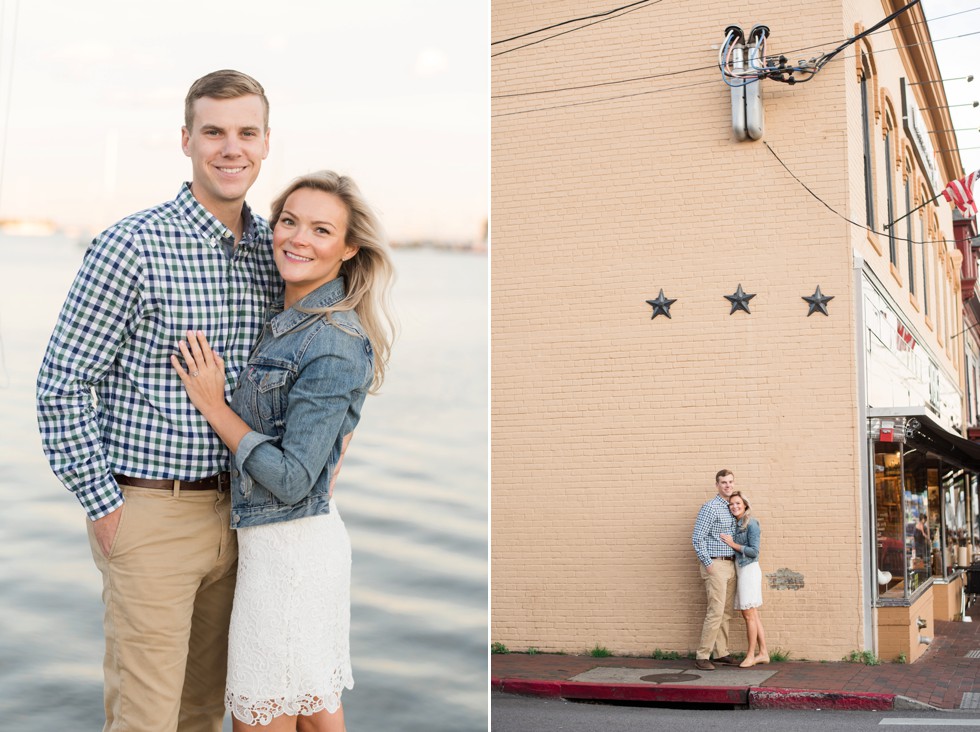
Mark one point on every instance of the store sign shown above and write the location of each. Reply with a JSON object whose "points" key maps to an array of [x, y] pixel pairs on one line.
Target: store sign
{"points": [[918, 133], [906, 341]]}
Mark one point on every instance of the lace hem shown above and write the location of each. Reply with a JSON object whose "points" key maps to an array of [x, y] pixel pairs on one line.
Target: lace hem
{"points": [[262, 711], [748, 605]]}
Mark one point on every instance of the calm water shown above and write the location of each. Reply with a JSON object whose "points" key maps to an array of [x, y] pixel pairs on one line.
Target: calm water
{"points": [[413, 492]]}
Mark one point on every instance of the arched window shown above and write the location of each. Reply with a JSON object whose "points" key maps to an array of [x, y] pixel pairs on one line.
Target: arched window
{"points": [[890, 190], [867, 115], [908, 226], [925, 260]]}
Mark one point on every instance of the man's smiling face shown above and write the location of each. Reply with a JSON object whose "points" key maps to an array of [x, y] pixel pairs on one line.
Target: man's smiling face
{"points": [[227, 143]]}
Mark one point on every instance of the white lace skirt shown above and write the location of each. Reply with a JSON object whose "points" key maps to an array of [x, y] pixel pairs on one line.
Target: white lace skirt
{"points": [[748, 592], [289, 644]]}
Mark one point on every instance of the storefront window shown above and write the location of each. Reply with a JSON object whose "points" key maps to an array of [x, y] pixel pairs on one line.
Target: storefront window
{"points": [[956, 529], [927, 517], [974, 516], [889, 520], [918, 536]]}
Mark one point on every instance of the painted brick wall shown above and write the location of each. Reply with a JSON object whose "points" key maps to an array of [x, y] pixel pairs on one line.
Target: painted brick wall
{"points": [[608, 426]]}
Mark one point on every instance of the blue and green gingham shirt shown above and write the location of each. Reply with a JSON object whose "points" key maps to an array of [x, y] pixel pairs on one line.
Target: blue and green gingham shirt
{"points": [[108, 399], [713, 519]]}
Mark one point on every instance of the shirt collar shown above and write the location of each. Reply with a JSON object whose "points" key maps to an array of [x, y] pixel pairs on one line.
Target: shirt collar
{"points": [[326, 295], [723, 503], [206, 222]]}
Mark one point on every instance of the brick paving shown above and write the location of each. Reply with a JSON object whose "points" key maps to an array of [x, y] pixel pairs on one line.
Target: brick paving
{"points": [[945, 676]]}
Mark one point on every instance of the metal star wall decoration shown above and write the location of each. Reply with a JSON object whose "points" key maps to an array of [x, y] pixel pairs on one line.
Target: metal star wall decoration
{"points": [[818, 302], [740, 300], [661, 306]]}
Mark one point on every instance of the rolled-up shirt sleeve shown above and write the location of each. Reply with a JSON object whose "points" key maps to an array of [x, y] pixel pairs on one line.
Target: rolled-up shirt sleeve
{"points": [[98, 315], [700, 534]]}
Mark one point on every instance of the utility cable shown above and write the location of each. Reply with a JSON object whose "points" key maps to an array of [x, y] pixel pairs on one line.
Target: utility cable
{"points": [[861, 226], [672, 73], [854, 39], [566, 22], [596, 22], [604, 99], [842, 216], [712, 66]]}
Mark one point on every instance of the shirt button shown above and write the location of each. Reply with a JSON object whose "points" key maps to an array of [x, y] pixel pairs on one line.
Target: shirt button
{"points": [[235, 518], [234, 473]]}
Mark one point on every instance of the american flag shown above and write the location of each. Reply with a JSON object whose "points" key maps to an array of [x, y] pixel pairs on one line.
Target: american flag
{"points": [[960, 192]]}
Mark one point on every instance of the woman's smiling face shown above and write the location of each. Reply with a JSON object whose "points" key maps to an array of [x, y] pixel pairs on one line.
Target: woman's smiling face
{"points": [[736, 506]]}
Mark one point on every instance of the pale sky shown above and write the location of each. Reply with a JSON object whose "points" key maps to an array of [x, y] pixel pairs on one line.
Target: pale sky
{"points": [[956, 40], [391, 92]]}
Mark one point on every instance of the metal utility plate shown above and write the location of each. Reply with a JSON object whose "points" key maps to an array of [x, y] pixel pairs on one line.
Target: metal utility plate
{"points": [[721, 676]]}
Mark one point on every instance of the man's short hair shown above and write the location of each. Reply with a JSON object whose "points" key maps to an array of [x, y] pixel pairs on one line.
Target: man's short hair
{"points": [[722, 473], [224, 84]]}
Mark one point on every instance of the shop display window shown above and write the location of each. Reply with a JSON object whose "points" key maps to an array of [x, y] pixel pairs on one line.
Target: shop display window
{"points": [[956, 538], [918, 532], [927, 519], [890, 520]]}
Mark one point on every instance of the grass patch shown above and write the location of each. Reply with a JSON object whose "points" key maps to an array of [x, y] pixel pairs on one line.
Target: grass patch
{"points": [[498, 648], [600, 652], [902, 658], [779, 655], [868, 658], [666, 655], [532, 651]]}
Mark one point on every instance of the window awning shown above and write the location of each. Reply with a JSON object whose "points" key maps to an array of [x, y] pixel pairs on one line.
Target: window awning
{"points": [[922, 431]]}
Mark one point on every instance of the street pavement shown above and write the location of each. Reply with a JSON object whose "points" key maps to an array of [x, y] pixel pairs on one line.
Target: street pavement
{"points": [[946, 676]]}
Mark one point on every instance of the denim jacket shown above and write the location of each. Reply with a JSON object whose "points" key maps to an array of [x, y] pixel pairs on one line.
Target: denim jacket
{"points": [[301, 393], [750, 539]]}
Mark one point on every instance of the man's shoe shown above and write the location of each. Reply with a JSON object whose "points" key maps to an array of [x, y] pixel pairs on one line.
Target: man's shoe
{"points": [[727, 660], [704, 664]]}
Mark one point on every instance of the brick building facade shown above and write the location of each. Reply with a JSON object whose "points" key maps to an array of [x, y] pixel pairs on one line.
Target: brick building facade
{"points": [[615, 175]]}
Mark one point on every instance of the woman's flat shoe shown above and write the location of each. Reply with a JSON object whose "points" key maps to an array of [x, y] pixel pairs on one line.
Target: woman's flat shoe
{"points": [[762, 659], [746, 664]]}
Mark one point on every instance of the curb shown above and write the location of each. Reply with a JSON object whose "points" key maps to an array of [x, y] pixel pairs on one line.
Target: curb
{"points": [[752, 697], [770, 698], [624, 692]]}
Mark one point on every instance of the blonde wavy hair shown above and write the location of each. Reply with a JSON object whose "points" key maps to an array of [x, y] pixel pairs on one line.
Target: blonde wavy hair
{"points": [[368, 275], [744, 520]]}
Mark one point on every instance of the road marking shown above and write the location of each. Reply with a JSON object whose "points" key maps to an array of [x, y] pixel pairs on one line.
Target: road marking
{"points": [[920, 722]]}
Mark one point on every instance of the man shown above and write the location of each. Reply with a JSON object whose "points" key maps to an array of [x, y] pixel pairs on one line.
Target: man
{"points": [[717, 570], [120, 432]]}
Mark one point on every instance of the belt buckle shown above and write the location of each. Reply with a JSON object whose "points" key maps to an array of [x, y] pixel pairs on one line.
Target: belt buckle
{"points": [[224, 481]]}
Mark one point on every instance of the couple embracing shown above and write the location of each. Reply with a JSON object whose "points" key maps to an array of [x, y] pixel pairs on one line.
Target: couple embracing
{"points": [[727, 541], [204, 377]]}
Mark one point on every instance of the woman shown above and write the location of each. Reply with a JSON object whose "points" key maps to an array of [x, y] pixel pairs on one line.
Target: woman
{"points": [[318, 356], [748, 595]]}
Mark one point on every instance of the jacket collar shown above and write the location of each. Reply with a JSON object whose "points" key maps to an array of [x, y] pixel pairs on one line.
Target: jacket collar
{"points": [[325, 296]]}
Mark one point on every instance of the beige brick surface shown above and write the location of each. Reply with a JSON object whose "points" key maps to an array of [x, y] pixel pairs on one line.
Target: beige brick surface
{"points": [[608, 426]]}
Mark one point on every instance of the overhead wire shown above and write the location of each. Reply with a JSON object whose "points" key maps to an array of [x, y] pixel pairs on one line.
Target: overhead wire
{"points": [[713, 66], [604, 99], [838, 213], [646, 4], [666, 74], [566, 22]]}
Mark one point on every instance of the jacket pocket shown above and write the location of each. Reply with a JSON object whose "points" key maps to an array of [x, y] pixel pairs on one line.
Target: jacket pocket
{"points": [[270, 388]]}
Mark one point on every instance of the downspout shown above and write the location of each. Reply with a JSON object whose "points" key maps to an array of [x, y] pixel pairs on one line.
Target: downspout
{"points": [[867, 537]]}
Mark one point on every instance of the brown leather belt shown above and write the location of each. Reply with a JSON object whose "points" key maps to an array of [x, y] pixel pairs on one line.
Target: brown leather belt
{"points": [[220, 482], [730, 559]]}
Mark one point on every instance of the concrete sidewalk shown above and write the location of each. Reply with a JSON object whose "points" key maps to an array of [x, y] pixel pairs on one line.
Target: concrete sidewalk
{"points": [[947, 676]]}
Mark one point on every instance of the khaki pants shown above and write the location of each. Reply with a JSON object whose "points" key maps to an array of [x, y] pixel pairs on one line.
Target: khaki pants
{"points": [[167, 586], [719, 585]]}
